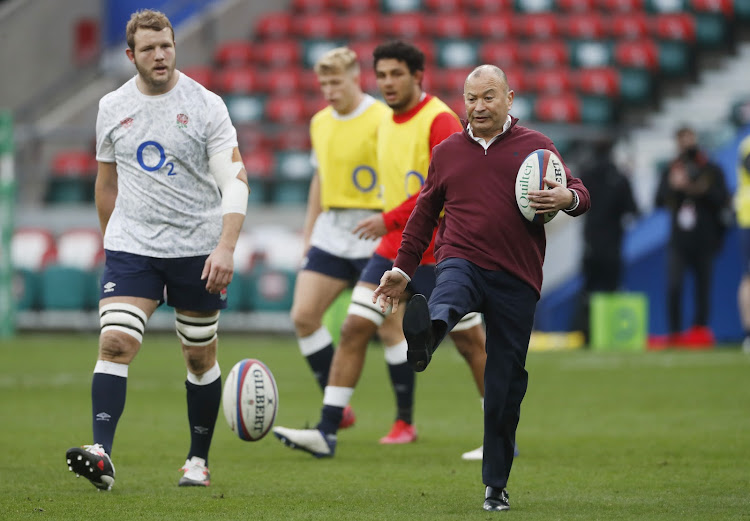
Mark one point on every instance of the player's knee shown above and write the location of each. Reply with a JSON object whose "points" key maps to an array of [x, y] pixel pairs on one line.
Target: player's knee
{"points": [[196, 331], [356, 332], [199, 359], [305, 323], [116, 347], [122, 327]]}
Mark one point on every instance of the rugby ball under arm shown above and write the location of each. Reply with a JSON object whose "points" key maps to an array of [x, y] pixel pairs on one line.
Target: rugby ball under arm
{"points": [[250, 399], [539, 164]]}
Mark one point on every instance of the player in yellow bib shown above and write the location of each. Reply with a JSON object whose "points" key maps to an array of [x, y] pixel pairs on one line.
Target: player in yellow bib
{"points": [[742, 207]]}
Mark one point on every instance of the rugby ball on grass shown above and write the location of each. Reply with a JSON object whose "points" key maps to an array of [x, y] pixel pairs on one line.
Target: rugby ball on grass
{"points": [[250, 399], [537, 165]]}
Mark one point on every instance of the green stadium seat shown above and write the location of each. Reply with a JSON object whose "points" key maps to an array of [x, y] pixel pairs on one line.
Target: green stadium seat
{"points": [[73, 178], [312, 50], [26, 289], [674, 58], [245, 109], [523, 106], [742, 10], [291, 191], [591, 53], [711, 30], [597, 110], [238, 293], [666, 6], [635, 85], [69, 288], [293, 165], [457, 53]]}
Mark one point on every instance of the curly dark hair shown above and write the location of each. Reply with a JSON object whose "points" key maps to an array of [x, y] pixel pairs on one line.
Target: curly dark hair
{"points": [[401, 51]]}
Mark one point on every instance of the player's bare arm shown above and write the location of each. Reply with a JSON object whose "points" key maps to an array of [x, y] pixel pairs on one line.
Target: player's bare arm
{"points": [[557, 197], [371, 228], [105, 192], [392, 286], [229, 172]]}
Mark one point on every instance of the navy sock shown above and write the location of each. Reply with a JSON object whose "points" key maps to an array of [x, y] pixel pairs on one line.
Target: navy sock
{"points": [[403, 380], [320, 363], [107, 403], [203, 407], [330, 418]]}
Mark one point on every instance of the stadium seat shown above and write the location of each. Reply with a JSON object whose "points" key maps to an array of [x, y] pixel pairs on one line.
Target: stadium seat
{"points": [[632, 26], [293, 165], [586, 25], [80, 248], [369, 83], [712, 30], [621, 6], [358, 6], [309, 79], [450, 81], [258, 163], [576, 6], [485, 7], [86, 46], [318, 26], [674, 58], [642, 53], [635, 85], [674, 26], [203, 74], [238, 80], [293, 137], [558, 108], [279, 53], [540, 26], [504, 54], [591, 53], [252, 137], [448, 25], [552, 80], [286, 109], [404, 25], [523, 105], [457, 53], [547, 53], [723, 7], [456, 103], [445, 6], [234, 53], [245, 109], [401, 6], [361, 26], [274, 26], [271, 289], [518, 80], [73, 175], [499, 27], [238, 292], [31, 250], [290, 191], [603, 81], [283, 81], [597, 110], [364, 50], [666, 6]]}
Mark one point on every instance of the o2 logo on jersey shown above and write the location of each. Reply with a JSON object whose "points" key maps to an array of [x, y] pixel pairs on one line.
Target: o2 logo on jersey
{"points": [[364, 178], [413, 182], [146, 152]]}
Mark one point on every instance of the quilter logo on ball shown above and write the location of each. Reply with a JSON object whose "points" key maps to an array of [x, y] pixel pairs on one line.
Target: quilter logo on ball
{"points": [[523, 183]]}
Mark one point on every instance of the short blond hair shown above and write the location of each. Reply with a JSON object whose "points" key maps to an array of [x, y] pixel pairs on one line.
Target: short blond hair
{"points": [[146, 19], [337, 61]]}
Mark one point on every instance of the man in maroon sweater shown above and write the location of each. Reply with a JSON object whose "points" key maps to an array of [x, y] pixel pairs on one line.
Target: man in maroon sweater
{"points": [[489, 257]]}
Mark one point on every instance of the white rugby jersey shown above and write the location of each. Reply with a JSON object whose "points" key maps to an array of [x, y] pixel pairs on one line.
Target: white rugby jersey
{"points": [[168, 204]]}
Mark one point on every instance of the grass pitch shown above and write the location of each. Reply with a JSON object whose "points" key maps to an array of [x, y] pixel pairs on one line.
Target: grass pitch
{"points": [[663, 436]]}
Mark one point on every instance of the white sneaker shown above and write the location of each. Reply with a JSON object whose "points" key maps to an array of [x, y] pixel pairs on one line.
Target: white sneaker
{"points": [[195, 473], [93, 463], [474, 455], [309, 440]]}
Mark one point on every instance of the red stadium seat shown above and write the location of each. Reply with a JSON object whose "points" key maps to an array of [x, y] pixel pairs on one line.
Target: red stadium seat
{"points": [[674, 26], [456, 104], [622, 6], [234, 53], [361, 26], [446, 6], [428, 47], [251, 138], [555, 80], [564, 108], [364, 51], [537, 26], [630, 25], [318, 26], [497, 27], [286, 109], [602, 82], [238, 80], [491, 6], [448, 25], [259, 163], [404, 25], [309, 81], [32, 248], [358, 6], [518, 79], [642, 53], [293, 137], [590, 26], [203, 74], [504, 54], [451, 81], [81, 248], [74, 163], [724, 7], [547, 53], [311, 6], [282, 81], [576, 6], [367, 81], [281, 53], [276, 25]]}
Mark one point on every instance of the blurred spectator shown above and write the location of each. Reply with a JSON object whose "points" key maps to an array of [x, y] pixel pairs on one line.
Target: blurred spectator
{"points": [[693, 190], [612, 208], [742, 206]]}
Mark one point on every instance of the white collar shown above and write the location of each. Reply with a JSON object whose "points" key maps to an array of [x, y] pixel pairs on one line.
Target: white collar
{"points": [[482, 141]]}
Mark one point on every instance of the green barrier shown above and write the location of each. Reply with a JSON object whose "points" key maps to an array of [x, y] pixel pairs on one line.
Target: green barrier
{"points": [[7, 203], [335, 315], [619, 321]]}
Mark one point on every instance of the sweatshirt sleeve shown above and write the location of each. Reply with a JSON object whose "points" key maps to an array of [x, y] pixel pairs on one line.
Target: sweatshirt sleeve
{"points": [[420, 226]]}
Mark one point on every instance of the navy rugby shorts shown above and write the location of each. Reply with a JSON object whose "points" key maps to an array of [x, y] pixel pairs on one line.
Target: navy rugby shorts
{"points": [[320, 261], [422, 282], [176, 281]]}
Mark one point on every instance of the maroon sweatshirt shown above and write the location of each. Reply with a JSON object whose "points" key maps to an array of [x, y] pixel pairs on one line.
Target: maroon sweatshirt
{"points": [[482, 222]]}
